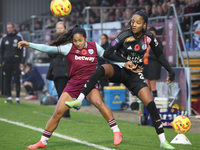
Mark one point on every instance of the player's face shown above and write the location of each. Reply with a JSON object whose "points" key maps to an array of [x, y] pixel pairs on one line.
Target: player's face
{"points": [[10, 28], [103, 39], [60, 28], [137, 24], [79, 41]]}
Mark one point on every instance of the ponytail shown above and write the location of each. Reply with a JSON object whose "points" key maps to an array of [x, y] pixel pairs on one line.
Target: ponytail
{"points": [[64, 38]]}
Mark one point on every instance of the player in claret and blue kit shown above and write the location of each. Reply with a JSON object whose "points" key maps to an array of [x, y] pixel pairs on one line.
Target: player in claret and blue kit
{"points": [[82, 60]]}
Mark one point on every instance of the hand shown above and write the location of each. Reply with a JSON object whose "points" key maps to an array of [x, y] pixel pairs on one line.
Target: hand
{"points": [[170, 78], [21, 66], [22, 44], [130, 66]]}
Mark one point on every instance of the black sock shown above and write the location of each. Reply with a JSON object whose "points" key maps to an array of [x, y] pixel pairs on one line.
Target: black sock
{"points": [[93, 79], [155, 93], [155, 117], [29, 90]]}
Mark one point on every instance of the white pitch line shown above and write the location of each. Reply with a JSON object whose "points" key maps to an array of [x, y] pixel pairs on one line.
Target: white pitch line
{"points": [[56, 134]]}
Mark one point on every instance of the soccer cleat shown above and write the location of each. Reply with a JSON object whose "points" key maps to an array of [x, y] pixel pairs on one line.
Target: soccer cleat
{"points": [[37, 145], [117, 138], [31, 97], [73, 104], [166, 145], [17, 100], [9, 100]]}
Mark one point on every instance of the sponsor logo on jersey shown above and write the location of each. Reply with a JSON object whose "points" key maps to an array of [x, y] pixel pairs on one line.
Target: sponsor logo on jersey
{"points": [[144, 46], [77, 51], [85, 85], [84, 58], [161, 126], [91, 51], [6, 42], [130, 48], [115, 41], [156, 42]]}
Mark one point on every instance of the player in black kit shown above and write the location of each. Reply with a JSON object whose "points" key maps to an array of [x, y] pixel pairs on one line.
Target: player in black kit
{"points": [[126, 54]]}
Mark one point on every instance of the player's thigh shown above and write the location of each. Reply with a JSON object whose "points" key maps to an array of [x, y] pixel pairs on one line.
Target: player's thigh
{"points": [[109, 70], [94, 98], [145, 95], [61, 102]]}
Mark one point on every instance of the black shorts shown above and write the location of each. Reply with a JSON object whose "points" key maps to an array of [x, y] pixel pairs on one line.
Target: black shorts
{"points": [[133, 81]]}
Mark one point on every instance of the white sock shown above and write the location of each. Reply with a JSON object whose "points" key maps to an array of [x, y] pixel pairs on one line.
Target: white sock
{"points": [[81, 98], [17, 98], [162, 137], [44, 139], [115, 128], [9, 98]]}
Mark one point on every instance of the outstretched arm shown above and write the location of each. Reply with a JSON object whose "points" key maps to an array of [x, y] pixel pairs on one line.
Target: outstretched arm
{"points": [[64, 49], [39, 47]]}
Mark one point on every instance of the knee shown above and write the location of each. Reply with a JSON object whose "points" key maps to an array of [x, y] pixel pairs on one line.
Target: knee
{"points": [[99, 103], [57, 115]]}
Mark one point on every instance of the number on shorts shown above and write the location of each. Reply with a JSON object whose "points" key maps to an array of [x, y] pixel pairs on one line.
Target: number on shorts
{"points": [[141, 75]]}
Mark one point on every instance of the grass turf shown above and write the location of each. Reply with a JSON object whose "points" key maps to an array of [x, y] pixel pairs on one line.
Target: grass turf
{"points": [[86, 127]]}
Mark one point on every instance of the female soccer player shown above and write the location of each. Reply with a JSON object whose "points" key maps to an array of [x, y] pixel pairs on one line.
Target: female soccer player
{"points": [[82, 59], [128, 50]]}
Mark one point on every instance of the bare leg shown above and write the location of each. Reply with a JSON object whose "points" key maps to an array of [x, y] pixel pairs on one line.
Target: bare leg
{"points": [[52, 124], [94, 97], [153, 85], [61, 108], [145, 95]]}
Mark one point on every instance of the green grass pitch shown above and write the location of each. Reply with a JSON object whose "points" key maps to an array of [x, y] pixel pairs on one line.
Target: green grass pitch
{"points": [[86, 127]]}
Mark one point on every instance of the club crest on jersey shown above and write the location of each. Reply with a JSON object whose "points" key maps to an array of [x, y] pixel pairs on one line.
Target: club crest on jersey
{"points": [[15, 41], [90, 51], [115, 41], [144, 46]]}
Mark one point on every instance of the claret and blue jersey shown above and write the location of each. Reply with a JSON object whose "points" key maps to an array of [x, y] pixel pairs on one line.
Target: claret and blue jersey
{"points": [[82, 63]]}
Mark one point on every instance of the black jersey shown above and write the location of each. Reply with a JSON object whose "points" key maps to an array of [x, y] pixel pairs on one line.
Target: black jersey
{"points": [[126, 47], [9, 52]]}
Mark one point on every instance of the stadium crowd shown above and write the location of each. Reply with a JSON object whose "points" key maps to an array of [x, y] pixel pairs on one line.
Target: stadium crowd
{"points": [[153, 8]]}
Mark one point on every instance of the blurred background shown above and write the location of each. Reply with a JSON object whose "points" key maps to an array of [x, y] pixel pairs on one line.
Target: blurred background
{"points": [[177, 23]]}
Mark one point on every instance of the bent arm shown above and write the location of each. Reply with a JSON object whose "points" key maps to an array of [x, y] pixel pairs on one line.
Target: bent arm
{"points": [[115, 45], [156, 48]]}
